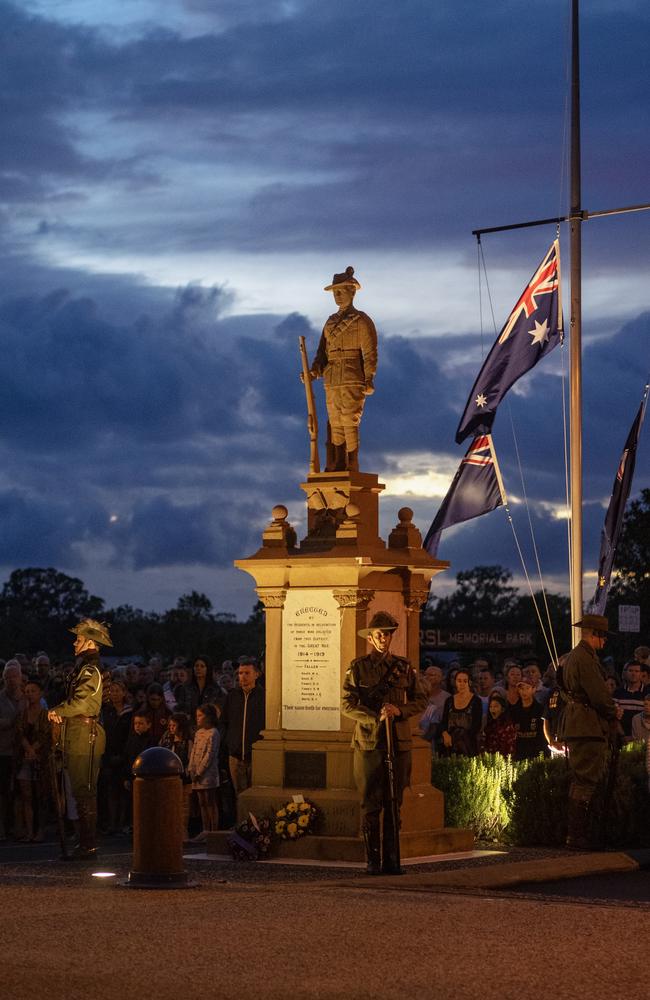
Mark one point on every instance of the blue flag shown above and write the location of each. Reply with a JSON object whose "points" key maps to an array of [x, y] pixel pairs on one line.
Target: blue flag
{"points": [[476, 489], [533, 329], [614, 517]]}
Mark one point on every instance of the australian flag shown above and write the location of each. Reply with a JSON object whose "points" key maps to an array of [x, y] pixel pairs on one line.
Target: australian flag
{"points": [[476, 489], [533, 329], [615, 512]]}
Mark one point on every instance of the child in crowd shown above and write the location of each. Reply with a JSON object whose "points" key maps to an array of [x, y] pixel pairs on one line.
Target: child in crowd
{"points": [[139, 740], [500, 734], [204, 767], [641, 722], [177, 737]]}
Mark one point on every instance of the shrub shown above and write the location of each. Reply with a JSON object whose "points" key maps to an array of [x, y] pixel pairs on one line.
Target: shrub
{"points": [[525, 802]]}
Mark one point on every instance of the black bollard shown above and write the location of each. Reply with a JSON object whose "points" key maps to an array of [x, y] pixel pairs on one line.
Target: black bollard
{"points": [[157, 822]]}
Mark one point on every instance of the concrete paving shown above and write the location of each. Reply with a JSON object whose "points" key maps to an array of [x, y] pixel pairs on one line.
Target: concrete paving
{"points": [[259, 931]]}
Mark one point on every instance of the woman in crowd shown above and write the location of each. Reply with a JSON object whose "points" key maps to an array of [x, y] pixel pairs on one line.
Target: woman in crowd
{"points": [[513, 674], [500, 734], [33, 741], [177, 737], [461, 721], [156, 707], [199, 690], [204, 767]]}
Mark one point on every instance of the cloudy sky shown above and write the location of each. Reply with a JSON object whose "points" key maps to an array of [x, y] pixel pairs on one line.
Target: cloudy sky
{"points": [[180, 178]]}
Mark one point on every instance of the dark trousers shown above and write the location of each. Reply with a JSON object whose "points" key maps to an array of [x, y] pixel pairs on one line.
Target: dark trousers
{"points": [[6, 794], [371, 778], [587, 761]]}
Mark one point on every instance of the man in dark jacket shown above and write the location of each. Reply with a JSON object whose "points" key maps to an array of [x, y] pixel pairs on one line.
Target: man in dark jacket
{"points": [[244, 718], [82, 736], [380, 687], [588, 715]]}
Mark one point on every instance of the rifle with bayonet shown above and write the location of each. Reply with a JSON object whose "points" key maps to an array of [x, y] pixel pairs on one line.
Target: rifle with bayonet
{"points": [[312, 418]]}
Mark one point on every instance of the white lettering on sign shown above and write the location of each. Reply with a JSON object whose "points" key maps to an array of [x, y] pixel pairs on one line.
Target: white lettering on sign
{"points": [[311, 660]]}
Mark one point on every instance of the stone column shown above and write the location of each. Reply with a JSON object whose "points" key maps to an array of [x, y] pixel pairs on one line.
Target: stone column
{"points": [[273, 599]]}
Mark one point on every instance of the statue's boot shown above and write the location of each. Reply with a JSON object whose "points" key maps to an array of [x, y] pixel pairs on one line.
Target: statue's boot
{"points": [[353, 460], [372, 843], [577, 827], [87, 810], [389, 861], [340, 458]]}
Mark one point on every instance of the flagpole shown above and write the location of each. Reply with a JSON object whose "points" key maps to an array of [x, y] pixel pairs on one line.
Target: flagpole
{"points": [[575, 346]]}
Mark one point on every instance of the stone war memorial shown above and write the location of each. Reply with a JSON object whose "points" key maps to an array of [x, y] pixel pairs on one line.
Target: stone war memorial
{"points": [[318, 592]]}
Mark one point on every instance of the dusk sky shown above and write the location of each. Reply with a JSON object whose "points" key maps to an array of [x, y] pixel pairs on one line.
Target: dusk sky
{"points": [[180, 179]]}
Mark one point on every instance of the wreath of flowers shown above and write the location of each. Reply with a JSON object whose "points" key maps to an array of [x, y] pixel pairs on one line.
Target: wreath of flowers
{"points": [[251, 839], [295, 820]]}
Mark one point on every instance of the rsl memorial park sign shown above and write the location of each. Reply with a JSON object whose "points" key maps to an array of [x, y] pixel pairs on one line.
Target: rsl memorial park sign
{"points": [[311, 658]]}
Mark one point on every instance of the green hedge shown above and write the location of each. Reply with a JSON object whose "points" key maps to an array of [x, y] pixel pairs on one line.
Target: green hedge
{"points": [[525, 802]]}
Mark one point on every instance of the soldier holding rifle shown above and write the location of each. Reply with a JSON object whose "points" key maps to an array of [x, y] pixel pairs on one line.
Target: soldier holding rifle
{"points": [[590, 716], [347, 360], [381, 692], [83, 738]]}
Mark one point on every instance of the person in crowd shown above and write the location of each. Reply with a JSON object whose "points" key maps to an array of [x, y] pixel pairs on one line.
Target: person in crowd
{"points": [[629, 697], [436, 698], [138, 740], [204, 768], [177, 737], [641, 722], [12, 703], [642, 656], [512, 674], [527, 717], [33, 744], [500, 733], [157, 709], [244, 718], [132, 677], [533, 673], [450, 679], [199, 690], [462, 717], [146, 675], [486, 682], [117, 720], [553, 711], [611, 684], [381, 693], [588, 715]]}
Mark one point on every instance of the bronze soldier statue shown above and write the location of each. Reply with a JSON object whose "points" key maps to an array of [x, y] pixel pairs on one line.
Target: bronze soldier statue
{"points": [[589, 715], [381, 692], [347, 360], [82, 737]]}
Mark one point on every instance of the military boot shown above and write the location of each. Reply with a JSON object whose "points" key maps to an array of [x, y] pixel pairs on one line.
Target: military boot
{"points": [[577, 827], [353, 460], [372, 843], [87, 848]]}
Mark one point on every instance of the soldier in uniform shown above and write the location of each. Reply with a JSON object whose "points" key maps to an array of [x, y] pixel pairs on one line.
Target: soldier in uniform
{"points": [[589, 714], [378, 687], [82, 736], [347, 360]]}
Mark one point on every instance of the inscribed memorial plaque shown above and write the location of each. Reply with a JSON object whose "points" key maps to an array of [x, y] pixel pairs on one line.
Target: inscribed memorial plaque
{"points": [[311, 671]]}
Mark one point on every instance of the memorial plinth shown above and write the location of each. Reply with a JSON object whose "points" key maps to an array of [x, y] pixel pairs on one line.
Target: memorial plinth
{"points": [[317, 594]]}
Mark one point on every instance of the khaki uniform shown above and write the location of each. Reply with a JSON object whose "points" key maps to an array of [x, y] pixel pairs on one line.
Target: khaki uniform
{"points": [[347, 360], [84, 740], [370, 682], [585, 724]]}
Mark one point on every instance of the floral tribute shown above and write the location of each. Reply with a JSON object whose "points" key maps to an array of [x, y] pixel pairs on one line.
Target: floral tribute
{"points": [[251, 839], [295, 820]]}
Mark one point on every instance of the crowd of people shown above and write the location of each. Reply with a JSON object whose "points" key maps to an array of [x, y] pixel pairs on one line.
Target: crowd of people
{"points": [[516, 710], [210, 717]]}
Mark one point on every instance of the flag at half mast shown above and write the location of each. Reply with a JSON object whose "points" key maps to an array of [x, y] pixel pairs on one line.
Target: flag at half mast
{"points": [[477, 488], [616, 510], [533, 329]]}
